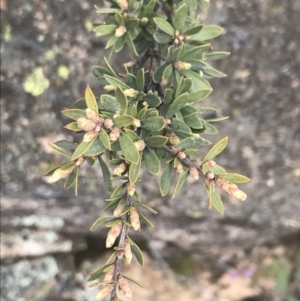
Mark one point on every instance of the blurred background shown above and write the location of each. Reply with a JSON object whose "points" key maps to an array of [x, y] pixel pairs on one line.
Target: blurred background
{"points": [[252, 253]]}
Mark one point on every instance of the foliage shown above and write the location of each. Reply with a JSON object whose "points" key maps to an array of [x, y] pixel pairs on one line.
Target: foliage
{"points": [[147, 119]]}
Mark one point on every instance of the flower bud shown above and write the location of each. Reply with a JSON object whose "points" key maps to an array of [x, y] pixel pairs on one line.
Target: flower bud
{"points": [[173, 139], [131, 93], [59, 174], [113, 234], [119, 209], [127, 251], [130, 189], [104, 291], [140, 145], [211, 163], [108, 123], [210, 175], [91, 114], [85, 124], [181, 155], [114, 134], [109, 274], [144, 21], [118, 170], [123, 4], [120, 31], [194, 173], [129, 64], [136, 123], [168, 121], [79, 161], [124, 287], [89, 136], [240, 195], [97, 128], [134, 219], [109, 88], [179, 168], [182, 65]]}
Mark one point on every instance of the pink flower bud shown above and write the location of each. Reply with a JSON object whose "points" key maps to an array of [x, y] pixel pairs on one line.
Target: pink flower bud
{"points": [[124, 287], [130, 189], [109, 274], [127, 251], [194, 173], [85, 124], [181, 155], [114, 134], [89, 136], [140, 145], [91, 114], [119, 209], [134, 219], [118, 170], [108, 123], [104, 291], [123, 4], [211, 163], [79, 161], [210, 175], [113, 234]]}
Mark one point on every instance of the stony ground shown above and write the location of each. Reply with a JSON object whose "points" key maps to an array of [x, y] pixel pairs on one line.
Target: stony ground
{"points": [[250, 253]]}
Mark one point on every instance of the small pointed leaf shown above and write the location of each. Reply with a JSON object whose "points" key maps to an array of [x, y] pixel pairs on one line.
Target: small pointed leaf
{"points": [[106, 173], [216, 149], [102, 221], [82, 149], [165, 180], [128, 148], [152, 163], [90, 99], [180, 182]]}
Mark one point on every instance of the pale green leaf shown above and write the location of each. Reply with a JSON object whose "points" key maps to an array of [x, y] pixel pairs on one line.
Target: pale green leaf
{"points": [[216, 149]]}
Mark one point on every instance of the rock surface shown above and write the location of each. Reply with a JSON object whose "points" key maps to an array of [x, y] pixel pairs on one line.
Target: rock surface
{"points": [[47, 250]]}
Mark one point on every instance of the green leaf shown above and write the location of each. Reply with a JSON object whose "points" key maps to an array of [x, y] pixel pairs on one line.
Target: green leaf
{"points": [[145, 219], [108, 103], [98, 272], [158, 73], [136, 252], [177, 104], [109, 67], [234, 178], [82, 149], [96, 148], [119, 191], [217, 202], [199, 82], [154, 124], [165, 26], [208, 32], [195, 52], [90, 99], [119, 19], [73, 126], [140, 80], [141, 113], [193, 122], [152, 100], [218, 55], [123, 121], [180, 182], [122, 101], [65, 144], [156, 141], [132, 135], [165, 180], [112, 40], [132, 24], [216, 149], [130, 44], [115, 82], [193, 31], [183, 86], [105, 10], [119, 44], [199, 95], [180, 17], [193, 142], [179, 125], [152, 163], [162, 38], [60, 151], [149, 8], [168, 72], [136, 282], [134, 171], [62, 166], [104, 30], [188, 111], [103, 136], [128, 148], [105, 173], [74, 113], [102, 221], [71, 178], [210, 129], [80, 104]]}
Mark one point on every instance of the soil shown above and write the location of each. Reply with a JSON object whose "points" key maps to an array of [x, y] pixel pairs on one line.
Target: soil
{"points": [[250, 253]]}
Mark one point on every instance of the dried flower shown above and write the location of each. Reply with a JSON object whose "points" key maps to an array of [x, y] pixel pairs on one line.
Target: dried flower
{"points": [[119, 209], [231, 189], [127, 251], [124, 287], [59, 174], [130, 189], [104, 291]]}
